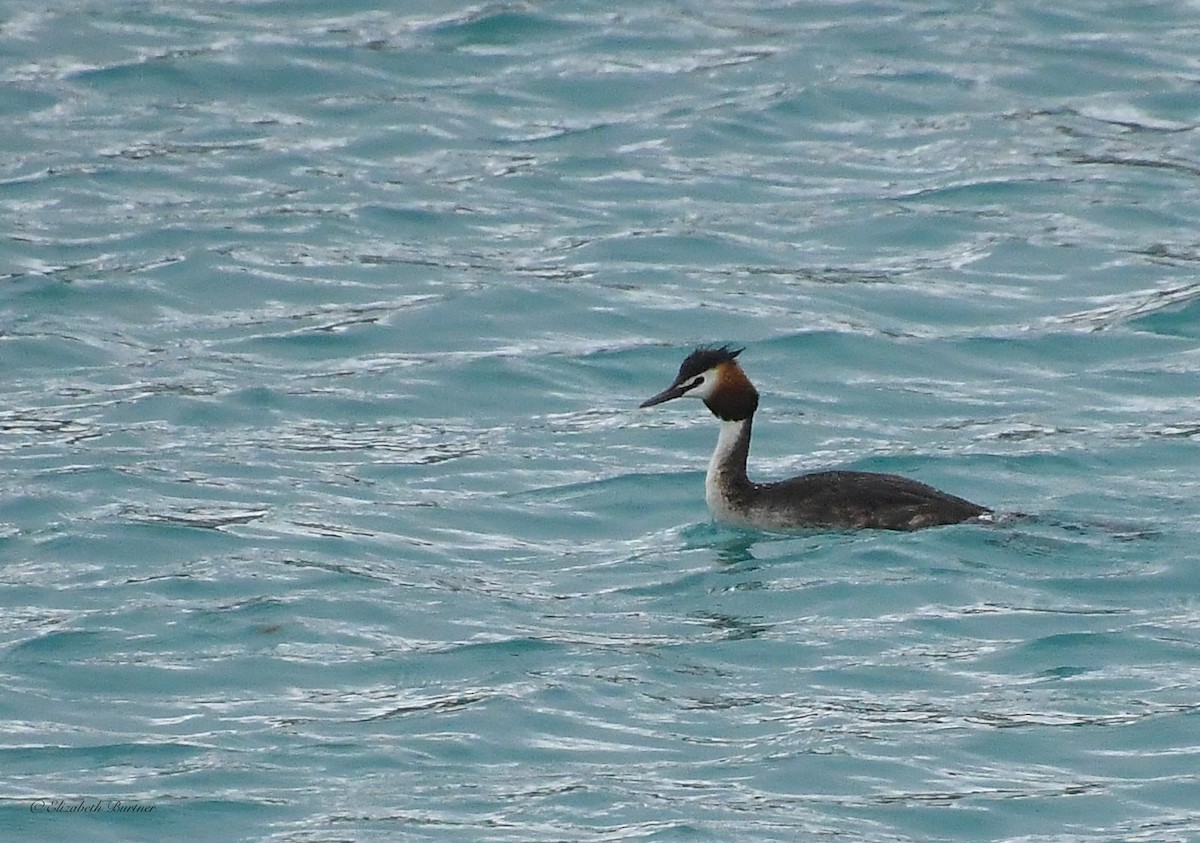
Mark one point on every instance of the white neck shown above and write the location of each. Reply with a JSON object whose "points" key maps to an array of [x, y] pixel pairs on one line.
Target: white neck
{"points": [[726, 469]]}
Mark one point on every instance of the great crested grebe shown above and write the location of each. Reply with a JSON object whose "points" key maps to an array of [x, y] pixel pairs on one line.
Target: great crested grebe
{"points": [[830, 499]]}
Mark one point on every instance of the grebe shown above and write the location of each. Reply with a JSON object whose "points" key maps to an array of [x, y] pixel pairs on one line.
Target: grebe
{"points": [[830, 499]]}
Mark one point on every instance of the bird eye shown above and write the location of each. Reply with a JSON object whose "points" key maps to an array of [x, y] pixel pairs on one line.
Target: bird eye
{"points": [[699, 380]]}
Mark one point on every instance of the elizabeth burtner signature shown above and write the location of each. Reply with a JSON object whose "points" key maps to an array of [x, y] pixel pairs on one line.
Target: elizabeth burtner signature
{"points": [[88, 806]]}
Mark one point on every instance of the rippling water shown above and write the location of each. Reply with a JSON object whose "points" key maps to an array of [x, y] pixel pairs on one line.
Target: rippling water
{"points": [[325, 509]]}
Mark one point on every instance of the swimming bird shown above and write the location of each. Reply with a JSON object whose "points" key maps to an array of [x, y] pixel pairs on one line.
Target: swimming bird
{"points": [[823, 499]]}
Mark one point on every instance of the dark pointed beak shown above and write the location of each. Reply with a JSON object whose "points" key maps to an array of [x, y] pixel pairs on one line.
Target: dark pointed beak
{"points": [[675, 390]]}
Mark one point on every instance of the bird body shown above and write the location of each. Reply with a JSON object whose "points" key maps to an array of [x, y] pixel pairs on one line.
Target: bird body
{"points": [[823, 499]]}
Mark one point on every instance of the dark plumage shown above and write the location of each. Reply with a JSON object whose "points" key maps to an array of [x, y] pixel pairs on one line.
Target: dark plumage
{"points": [[704, 358], [868, 499]]}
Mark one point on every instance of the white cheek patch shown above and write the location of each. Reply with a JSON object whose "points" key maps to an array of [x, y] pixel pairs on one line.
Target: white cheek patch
{"points": [[707, 387]]}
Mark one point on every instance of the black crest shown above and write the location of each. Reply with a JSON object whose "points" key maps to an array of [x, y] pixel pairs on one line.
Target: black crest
{"points": [[704, 358]]}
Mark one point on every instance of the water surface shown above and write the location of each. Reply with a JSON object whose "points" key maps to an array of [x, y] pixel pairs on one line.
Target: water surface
{"points": [[326, 511]]}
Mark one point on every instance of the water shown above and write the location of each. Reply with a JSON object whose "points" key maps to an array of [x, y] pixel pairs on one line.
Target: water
{"points": [[325, 509]]}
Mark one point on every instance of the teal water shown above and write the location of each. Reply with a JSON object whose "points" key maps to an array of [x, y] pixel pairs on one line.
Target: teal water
{"points": [[326, 511]]}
